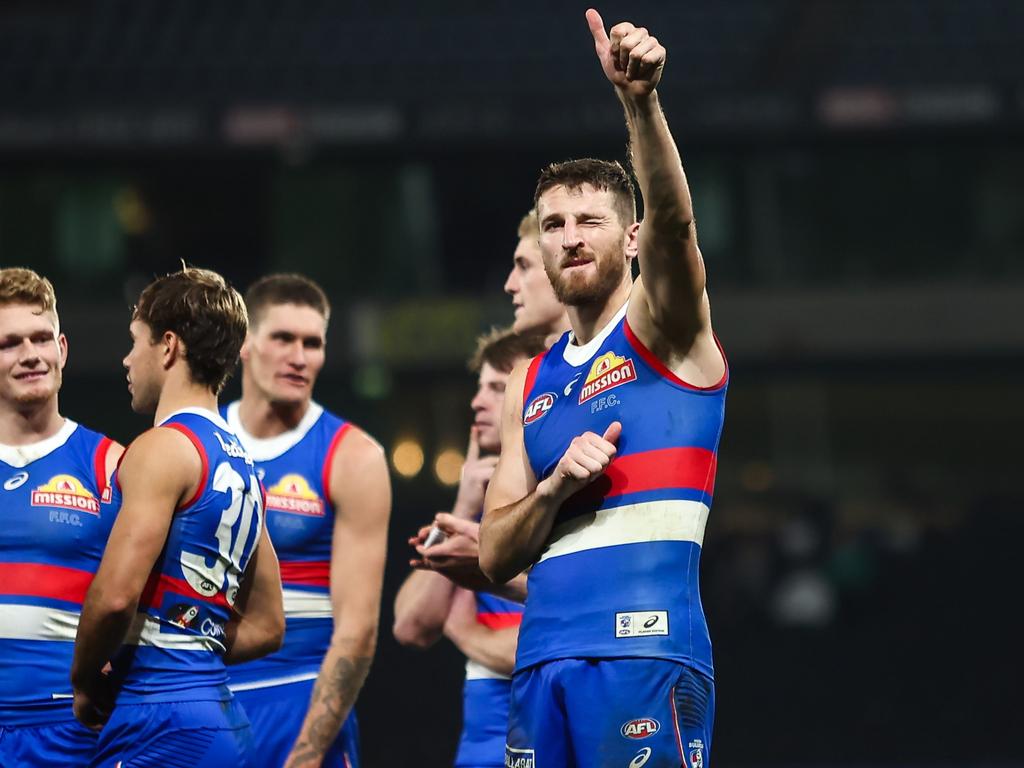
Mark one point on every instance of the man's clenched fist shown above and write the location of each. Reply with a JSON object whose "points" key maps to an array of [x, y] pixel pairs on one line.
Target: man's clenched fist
{"points": [[585, 460]]}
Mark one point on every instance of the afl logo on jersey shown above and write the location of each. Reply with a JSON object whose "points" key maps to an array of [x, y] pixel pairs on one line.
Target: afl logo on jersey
{"points": [[538, 407], [292, 494], [66, 492]]}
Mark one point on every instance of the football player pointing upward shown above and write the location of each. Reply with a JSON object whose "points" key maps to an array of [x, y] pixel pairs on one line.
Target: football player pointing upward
{"points": [[608, 460]]}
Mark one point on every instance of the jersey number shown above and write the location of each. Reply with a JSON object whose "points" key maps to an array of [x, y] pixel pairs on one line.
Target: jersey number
{"points": [[226, 570]]}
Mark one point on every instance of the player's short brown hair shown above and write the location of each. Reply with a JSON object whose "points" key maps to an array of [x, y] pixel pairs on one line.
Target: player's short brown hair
{"points": [[285, 288], [19, 285], [502, 348], [206, 313], [600, 174]]}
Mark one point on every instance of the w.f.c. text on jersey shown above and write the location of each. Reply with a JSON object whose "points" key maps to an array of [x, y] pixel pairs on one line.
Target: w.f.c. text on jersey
{"points": [[619, 574], [55, 517], [174, 649]]}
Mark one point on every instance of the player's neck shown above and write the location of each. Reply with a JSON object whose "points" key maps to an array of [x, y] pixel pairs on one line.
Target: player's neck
{"points": [[589, 319], [263, 418], [554, 332], [29, 424], [177, 395]]}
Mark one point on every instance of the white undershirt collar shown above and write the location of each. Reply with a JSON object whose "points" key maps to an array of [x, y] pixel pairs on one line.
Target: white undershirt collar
{"points": [[578, 355], [269, 448], [23, 455]]}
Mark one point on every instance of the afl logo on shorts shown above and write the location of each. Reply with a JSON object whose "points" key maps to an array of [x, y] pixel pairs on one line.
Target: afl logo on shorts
{"points": [[640, 728], [538, 407]]}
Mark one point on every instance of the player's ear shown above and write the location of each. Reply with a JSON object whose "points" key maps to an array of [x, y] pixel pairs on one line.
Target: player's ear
{"points": [[243, 353], [632, 237], [173, 348], [62, 345]]}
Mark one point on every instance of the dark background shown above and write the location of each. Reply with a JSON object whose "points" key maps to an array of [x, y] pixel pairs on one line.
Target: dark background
{"points": [[856, 173]]}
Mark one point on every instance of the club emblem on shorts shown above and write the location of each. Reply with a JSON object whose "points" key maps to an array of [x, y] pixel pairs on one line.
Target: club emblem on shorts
{"points": [[519, 758], [640, 728], [292, 494], [696, 753], [66, 492], [538, 407], [607, 372]]}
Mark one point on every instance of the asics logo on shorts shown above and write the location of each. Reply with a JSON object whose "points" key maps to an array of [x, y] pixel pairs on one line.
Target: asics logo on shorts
{"points": [[641, 758]]}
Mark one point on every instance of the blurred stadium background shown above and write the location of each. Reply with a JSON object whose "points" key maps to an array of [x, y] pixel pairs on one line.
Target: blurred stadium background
{"points": [[856, 168]]}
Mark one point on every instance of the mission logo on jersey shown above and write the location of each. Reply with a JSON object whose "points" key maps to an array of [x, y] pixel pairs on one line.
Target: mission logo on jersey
{"points": [[292, 494], [607, 372], [66, 492]]}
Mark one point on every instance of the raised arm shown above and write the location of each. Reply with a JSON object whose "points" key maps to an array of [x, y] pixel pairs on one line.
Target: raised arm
{"points": [[520, 511], [360, 491], [669, 308], [150, 494], [257, 625]]}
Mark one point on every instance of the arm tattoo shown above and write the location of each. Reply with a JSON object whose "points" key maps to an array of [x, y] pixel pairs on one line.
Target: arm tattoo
{"points": [[333, 696]]}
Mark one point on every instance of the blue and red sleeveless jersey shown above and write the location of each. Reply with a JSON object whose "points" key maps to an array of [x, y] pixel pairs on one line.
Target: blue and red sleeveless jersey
{"points": [[486, 693], [174, 650], [295, 470], [619, 574], [55, 517]]}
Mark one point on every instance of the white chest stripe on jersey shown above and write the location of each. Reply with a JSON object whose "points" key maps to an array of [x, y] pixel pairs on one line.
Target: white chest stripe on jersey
{"points": [[299, 604], [665, 520], [477, 671], [37, 622]]}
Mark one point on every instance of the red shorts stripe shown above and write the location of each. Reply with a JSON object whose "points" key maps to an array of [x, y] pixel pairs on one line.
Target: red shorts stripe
{"points": [[653, 470], [51, 581], [307, 574], [500, 620]]}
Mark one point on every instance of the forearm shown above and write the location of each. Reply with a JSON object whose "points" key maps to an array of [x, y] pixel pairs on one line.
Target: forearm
{"points": [[658, 167], [493, 648], [102, 627], [511, 537], [513, 589], [421, 607], [246, 640], [344, 669]]}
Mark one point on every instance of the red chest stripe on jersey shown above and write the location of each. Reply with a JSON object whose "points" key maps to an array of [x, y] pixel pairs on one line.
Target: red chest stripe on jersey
{"points": [[160, 584], [308, 574], [499, 620], [50, 581], [651, 471]]}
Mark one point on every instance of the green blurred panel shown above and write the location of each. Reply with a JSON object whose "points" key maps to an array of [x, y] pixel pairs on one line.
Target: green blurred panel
{"points": [[27, 207], [367, 231], [89, 234]]}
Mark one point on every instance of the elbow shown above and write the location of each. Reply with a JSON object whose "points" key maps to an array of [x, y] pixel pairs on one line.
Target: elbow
{"points": [[275, 634], [414, 634], [495, 569]]}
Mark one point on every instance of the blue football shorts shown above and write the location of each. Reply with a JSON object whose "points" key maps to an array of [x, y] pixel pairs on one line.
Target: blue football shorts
{"points": [[593, 713]]}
